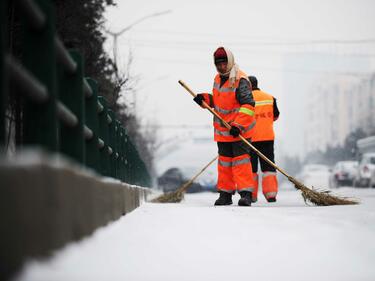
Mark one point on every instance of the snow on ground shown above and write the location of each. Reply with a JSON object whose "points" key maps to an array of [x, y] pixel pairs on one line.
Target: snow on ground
{"points": [[194, 240]]}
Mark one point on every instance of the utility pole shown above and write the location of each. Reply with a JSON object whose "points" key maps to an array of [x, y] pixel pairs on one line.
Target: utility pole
{"points": [[115, 35]]}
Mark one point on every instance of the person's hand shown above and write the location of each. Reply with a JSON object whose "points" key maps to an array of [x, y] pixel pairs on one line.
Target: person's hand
{"points": [[199, 99], [234, 131]]}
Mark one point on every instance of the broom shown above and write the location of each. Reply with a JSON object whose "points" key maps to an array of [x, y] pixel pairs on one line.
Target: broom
{"points": [[178, 195], [317, 197]]}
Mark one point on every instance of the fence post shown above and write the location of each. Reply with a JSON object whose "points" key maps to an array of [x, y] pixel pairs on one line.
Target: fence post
{"points": [[104, 135], [125, 163], [92, 121], [136, 164], [72, 142], [112, 142], [118, 149], [144, 180], [40, 120], [120, 158], [122, 147], [146, 177], [130, 161], [116, 154], [3, 95]]}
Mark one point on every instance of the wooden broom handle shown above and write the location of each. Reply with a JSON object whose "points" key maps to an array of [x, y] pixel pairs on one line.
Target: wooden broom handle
{"points": [[260, 154], [187, 184]]}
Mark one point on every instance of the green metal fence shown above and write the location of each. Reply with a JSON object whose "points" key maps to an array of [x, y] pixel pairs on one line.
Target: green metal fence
{"points": [[63, 111]]}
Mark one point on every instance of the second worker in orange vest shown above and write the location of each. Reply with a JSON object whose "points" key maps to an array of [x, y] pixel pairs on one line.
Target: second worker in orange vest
{"points": [[266, 112], [232, 99]]}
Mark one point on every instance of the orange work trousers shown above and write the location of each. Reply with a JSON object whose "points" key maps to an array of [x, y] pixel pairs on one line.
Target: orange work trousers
{"points": [[234, 168], [269, 178]]}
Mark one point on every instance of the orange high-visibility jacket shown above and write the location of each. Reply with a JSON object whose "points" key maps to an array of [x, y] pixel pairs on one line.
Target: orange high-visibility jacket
{"points": [[225, 103], [264, 116]]}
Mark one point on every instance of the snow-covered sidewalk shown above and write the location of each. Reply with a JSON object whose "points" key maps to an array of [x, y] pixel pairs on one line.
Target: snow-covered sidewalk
{"points": [[194, 240]]}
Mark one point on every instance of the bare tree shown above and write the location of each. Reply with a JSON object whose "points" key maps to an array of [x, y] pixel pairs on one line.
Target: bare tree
{"points": [[123, 103]]}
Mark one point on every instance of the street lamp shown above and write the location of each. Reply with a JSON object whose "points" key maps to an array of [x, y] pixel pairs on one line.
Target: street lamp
{"points": [[122, 31]]}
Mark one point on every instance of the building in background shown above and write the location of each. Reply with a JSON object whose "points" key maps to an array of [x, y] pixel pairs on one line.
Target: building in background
{"points": [[311, 79], [338, 107]]}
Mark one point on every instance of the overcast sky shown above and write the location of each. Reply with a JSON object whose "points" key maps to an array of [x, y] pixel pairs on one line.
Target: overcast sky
{"points": [[262, 36]]}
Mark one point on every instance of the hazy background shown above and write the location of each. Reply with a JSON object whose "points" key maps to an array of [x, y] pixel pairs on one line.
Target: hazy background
{"points": [[291, 46]]}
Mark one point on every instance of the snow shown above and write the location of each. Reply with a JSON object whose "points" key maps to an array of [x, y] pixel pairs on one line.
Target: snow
{"points": [[36, 157], [194, 240]]}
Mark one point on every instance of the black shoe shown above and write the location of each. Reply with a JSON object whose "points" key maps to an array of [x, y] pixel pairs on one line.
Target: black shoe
{"points": [[245, 198], [224, 199], [271, 200]]}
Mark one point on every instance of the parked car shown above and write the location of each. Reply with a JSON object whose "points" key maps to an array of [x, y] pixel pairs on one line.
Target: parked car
{"points": [[174, 178], [315, 175], [366, 171], [343, 174], [170, 180]]}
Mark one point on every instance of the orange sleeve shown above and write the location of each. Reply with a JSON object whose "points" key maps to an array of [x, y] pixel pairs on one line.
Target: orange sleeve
{"points": [[245, 119], [208, 99]]}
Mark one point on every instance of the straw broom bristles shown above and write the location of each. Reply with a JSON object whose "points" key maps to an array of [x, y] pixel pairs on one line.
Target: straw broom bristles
{"points": [[321, 198], [170, 197]]}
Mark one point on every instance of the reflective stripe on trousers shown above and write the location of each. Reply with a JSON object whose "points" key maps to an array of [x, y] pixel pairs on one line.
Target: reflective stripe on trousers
{"points": [[233, 173], [225, 162], [240, 161], [269, 184], [270, 195], [225, 178], [233, 163], [267, 173], [242, 173]]}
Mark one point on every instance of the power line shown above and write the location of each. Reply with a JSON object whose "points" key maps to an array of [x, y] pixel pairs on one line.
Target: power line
{"points": [[115, 35], [267, 68], [192, 46], [270, 41], [253, 43], [138, 21]]}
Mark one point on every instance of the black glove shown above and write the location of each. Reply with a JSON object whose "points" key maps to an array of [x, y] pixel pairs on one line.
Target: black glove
{"points": [[199, 99], [234, 131]]}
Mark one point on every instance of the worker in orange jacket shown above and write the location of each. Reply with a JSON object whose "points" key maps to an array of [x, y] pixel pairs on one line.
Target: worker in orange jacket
{"points": [[266, 112], [232, 99]]}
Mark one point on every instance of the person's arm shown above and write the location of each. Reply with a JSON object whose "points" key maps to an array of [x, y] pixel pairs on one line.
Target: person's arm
{"points": [[276, 111], [245, 119], [244, 94]]}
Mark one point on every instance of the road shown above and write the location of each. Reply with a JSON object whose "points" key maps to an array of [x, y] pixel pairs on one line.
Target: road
{"points": [[194, 240]]}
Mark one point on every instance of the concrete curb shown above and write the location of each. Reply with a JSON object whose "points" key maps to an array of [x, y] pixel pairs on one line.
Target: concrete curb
{"points": [[43, 206]]}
